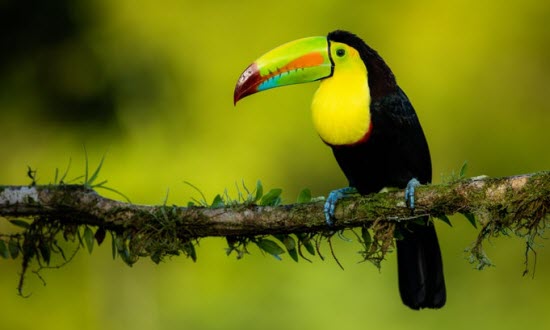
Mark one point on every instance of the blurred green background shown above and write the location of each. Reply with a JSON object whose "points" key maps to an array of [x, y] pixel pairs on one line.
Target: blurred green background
{"points": [[150, 83]]}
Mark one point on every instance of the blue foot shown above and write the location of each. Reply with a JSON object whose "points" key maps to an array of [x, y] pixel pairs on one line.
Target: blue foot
{"points": [[332, 199], [409, 192]]}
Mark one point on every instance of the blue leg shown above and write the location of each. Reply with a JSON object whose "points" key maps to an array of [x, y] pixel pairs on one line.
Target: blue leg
{"points": [[409, 192], [332, 199]]}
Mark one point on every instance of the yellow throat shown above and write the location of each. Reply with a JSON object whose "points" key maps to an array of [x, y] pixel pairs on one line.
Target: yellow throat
{"points": [[341, 105]]}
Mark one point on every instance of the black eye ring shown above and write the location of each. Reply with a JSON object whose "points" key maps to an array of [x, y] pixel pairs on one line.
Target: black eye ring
{"points": [[340, 52]]}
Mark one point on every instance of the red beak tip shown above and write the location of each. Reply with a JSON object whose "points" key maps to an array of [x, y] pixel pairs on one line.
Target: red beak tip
{"points": [[236, 98], [247, 83]]}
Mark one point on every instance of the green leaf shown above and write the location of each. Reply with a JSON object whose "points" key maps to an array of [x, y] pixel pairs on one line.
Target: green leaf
{"points": [[155, 257], [119, 243], [309, 247], [100, 185], [217, 202], [293, 254], [4, 252], [272, 198], [100, 235], [304, 196], [270, 247], [289, 242], [189, 249], [45, 252], [259, 191], [123, 250], [20, 223], [89, 238], [80, 242], [13, 246], [307, 243], [126, 257], [244, 187], [62, 179], [88, 181], [463, 169], [290, 245], [367, 238], [471, 218], [445, 219], [201, 202]]}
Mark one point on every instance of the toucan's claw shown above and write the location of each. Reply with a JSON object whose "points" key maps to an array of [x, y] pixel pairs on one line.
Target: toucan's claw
{"points": [[332, 199], [409, 192]]}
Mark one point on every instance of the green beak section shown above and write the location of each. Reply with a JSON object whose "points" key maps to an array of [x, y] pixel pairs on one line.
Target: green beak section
{"points": [[296, 62]]}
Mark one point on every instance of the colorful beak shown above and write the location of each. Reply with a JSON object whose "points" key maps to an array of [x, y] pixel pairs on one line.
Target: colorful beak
{"points": [[296, 62]]}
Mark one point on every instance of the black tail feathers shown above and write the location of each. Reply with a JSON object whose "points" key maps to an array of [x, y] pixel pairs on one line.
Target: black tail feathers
{"points": [[420, 268]]}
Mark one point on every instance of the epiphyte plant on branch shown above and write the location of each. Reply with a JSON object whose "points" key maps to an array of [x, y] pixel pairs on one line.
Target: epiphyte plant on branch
{"points": [[375, 135], [68, 210], [52, 215]]}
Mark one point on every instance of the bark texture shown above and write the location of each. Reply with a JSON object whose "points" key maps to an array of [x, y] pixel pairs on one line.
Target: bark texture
{"points": [[517, 204], [521, 198]]}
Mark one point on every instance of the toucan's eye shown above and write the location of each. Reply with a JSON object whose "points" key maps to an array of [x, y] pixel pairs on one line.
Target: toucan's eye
{"points": [[340, 52]]}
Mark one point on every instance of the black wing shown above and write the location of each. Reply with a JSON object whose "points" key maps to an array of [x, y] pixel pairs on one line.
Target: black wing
{"points": [[395, 152]]}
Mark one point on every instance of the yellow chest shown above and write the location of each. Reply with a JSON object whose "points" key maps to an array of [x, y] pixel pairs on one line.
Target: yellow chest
{"points": [[341, 107]]}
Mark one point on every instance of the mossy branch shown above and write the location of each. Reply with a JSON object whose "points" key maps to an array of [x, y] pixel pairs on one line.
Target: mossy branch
{"points": [[518, 204], [509, 199]]}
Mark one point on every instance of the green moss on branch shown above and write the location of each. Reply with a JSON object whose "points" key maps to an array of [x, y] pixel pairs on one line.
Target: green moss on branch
{"points": [[518, 204]]}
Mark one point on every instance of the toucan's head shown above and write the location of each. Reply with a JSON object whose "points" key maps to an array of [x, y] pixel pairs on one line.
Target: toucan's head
{"points": [[314, 58]]}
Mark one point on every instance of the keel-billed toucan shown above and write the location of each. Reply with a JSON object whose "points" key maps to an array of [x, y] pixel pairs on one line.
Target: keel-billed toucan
{"points": [[372, 128]]}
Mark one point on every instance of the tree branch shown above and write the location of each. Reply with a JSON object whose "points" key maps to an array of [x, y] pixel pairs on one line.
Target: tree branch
{"points": [[518, 204], [515, 198]]}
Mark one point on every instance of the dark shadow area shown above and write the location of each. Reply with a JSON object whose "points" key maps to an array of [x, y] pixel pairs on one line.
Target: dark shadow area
{"points": [[49, 63]]}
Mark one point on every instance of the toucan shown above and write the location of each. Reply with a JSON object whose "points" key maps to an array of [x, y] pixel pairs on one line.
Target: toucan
{"points": [[375, 135]]}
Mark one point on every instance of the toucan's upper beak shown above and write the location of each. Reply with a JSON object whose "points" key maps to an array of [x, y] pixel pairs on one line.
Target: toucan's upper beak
{"points": [[296, 62]]}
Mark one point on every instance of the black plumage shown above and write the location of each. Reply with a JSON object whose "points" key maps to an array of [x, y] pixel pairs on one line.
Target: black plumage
{"points": [[395, 152]]}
